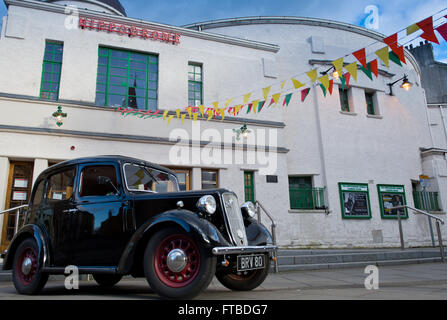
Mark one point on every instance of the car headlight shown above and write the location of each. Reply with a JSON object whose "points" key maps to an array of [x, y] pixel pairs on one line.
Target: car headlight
{"points": [[248, 209], [207, 204]]}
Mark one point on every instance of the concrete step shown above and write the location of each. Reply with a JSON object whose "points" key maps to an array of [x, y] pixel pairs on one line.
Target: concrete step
{"points": [[324, 259]]}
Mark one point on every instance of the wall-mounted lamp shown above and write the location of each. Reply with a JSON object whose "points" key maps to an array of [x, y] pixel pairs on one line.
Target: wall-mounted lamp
{"points": [[242, 131], [334, 74], [405, 84], [59, 115]]}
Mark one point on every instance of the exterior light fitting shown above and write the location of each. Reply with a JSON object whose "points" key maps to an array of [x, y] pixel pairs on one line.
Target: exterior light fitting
{"points": [[242, 131], [405, 84], [334, 74], [59, 115]]}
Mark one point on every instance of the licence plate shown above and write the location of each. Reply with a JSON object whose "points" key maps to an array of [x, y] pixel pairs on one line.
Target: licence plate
{"points": [[252, 262]]}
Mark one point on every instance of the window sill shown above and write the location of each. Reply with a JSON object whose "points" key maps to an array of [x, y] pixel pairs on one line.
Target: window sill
{"points": [[374, 116], [305, 211], [348, 113]]}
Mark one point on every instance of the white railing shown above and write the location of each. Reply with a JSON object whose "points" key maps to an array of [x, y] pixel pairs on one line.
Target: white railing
{"points": [[17, 209], [258, 207]]}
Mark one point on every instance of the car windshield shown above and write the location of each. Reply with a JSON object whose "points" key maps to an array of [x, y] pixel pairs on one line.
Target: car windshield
{"points": [[147, 179]]}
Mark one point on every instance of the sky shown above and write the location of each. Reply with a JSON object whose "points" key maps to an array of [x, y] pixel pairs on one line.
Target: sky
{"points": [[393, 15]]}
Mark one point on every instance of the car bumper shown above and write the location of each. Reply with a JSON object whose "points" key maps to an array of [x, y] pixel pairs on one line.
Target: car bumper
{"points": [[218, 251]]}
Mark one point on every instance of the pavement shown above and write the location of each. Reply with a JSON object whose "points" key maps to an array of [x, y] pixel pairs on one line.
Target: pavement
{"points": [[426, 281]]}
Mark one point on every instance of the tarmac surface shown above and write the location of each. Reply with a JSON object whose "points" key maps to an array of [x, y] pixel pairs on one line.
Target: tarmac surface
{"points": [[406, 282]]}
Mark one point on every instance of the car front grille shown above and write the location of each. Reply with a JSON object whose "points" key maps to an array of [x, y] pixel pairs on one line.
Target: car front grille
{"points": [[234, 219]]}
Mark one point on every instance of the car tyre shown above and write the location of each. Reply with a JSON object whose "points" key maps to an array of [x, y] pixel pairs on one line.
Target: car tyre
{"points": [[189, 270], [27, 274], [107, 280], [244, 281]]}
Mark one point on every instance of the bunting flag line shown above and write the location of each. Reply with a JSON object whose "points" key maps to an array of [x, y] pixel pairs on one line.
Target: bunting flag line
{"points": [[391, 41], [412, 29], [170, 118], [276, 97], [323, 88], [331, 86], [374, 67], [216, 106], [260, 106], [265, 92], [246, 98], [297, 84], [338, 64], [324, 81], [287, 100], [367, 71], [395, 58], [165, 114], [183, 116], [312, 75], [443, 31]]}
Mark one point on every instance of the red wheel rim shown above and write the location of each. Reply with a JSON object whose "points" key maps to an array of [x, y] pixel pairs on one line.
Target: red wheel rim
{"points": [[27, 278], [191, 269]]}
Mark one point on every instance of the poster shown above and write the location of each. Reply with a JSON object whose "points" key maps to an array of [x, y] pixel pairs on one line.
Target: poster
{"points": [[20, 183], [354, 200], [19, 196], [391, 196]]}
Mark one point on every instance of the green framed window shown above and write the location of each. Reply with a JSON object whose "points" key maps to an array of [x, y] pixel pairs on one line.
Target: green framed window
{"points": [[249, 186], [127, 79], [370, 108], [344, 100], [51, 70], [303, 196], [354, 200], [195, 85], [392, 196]]}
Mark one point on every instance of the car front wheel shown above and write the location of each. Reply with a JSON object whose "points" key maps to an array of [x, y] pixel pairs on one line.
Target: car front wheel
{"points": [[26, 272], [244, 280], [176, 266]]}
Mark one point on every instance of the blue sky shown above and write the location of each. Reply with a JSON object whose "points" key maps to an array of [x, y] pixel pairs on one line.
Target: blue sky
{"points": [[394, 15]]}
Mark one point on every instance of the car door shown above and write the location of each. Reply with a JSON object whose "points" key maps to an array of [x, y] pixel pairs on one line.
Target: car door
{"points": [[100, 233]]}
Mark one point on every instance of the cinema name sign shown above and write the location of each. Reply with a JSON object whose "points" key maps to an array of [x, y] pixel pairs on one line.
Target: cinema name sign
{"points": [[129, 30]]}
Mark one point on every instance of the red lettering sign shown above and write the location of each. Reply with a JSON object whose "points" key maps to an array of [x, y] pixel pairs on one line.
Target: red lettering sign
{"points": [[131, 31]]}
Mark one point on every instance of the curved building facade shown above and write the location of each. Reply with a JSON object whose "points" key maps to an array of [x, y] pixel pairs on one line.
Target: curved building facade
{"points": [[327, 168]]}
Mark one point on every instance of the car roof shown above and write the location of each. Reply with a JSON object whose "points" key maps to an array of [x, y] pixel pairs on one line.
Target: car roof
{"points": [[117, 158]]}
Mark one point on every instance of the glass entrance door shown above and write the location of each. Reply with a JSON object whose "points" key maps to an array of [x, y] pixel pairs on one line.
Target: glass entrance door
{"points": [[18, 193]]}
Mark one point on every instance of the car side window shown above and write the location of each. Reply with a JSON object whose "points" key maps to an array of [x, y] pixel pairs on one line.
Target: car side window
{"points": [[90, 186], [38, 194], [60, 185]]}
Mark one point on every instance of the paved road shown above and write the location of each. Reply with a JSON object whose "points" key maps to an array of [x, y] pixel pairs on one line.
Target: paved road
{"points": [[418, 282]]}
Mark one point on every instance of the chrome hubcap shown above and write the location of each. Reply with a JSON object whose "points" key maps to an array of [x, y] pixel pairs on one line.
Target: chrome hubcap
{"points": [[176, 260], [26, 266]]}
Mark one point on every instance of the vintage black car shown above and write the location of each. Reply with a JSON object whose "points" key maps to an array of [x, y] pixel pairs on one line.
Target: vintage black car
{"points": [[112, 216]]}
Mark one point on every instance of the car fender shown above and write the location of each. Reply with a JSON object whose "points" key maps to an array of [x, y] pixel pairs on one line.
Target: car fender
{"points": [[28, 231], [257, 233], [199, 229]]}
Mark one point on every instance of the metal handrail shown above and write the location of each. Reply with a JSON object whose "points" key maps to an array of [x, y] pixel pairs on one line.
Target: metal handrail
{"points": [[259, 206], [438, 227], [16, 227]]}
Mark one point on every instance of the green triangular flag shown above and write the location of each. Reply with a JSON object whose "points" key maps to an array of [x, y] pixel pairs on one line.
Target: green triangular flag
{"points": [[343, 82], [395, 58], [287, 99], [260, 105], [324, 89], [368, 71]]}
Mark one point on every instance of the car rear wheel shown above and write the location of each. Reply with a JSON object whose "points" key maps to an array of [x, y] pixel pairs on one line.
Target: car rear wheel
{"points": [[176, 266], [245, 280], [26, 272], [107, 280]]}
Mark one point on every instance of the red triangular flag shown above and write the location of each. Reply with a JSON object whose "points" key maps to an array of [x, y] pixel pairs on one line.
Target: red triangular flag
{"points": [[443, 31], [331, 86], [361, 56], [304, 94], [391, 41], [347, 78], [427, 26], [374, 67], [272, 102]]}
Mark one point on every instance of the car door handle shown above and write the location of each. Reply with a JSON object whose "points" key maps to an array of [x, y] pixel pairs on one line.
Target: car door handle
{"points": [[70, 211]]}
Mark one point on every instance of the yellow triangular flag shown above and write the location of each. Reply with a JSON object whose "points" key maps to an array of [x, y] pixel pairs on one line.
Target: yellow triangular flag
{"points": [[222, 112], [312, 75], [169, 119], [202, 110], [228, 102], [216, 106], [282, 84], [411, 29], [189, 112], [165, 114], [210, 115], [195, 116], [276, 97], [352, 69], [237, 109], [177, 111], [247, 97], [384, 55], [183, 117], [297, 84], [265, 92], [324, 81], [338, 64], [255, 105]]}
